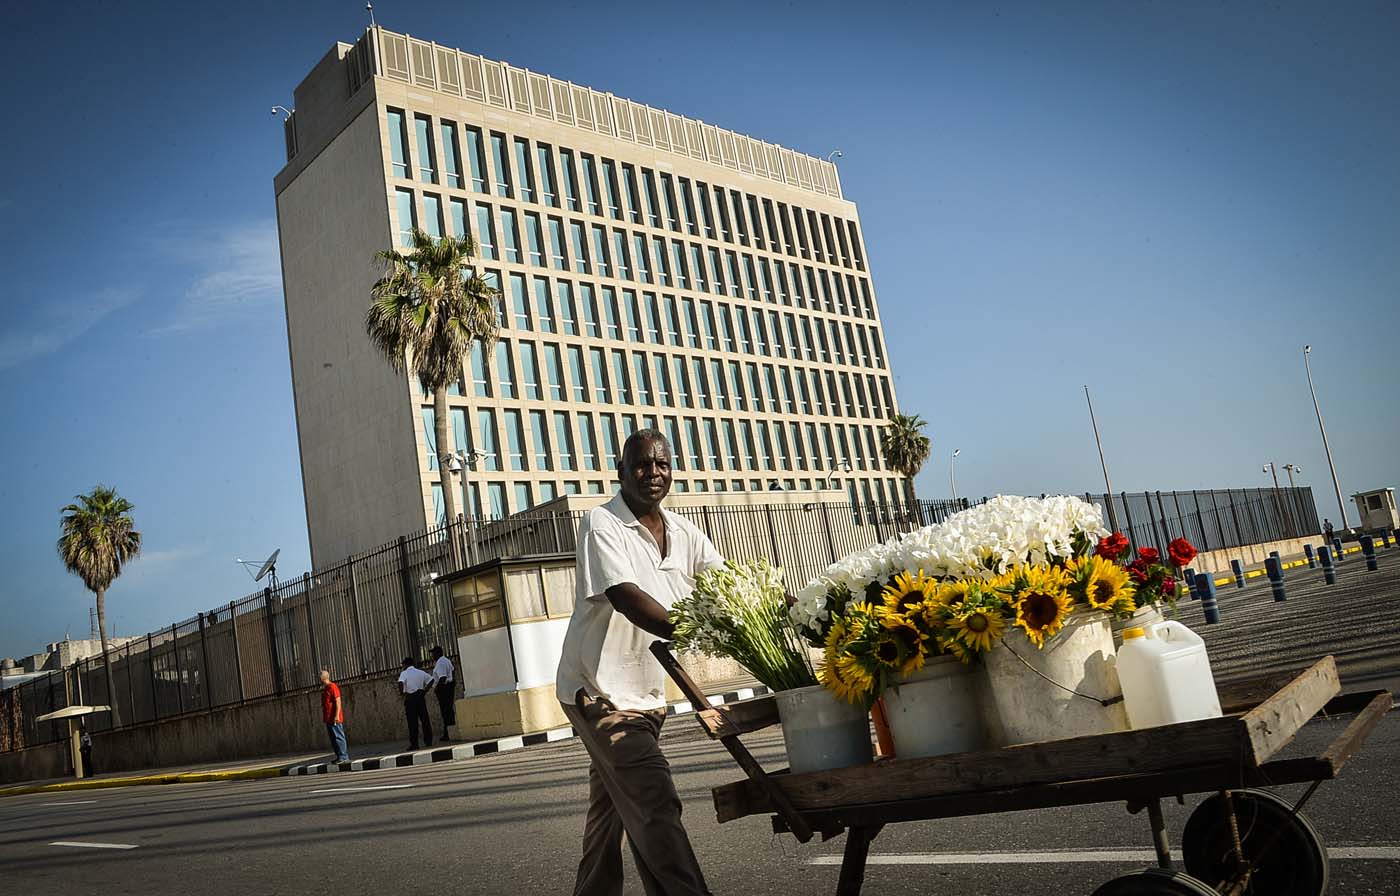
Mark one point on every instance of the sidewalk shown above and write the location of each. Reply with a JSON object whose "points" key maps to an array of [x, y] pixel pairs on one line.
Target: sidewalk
{"points": [[370, 757]]}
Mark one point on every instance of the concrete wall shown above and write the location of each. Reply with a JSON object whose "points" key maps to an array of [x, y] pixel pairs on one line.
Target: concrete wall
{"points": [[268, 727], [1251, 555]]}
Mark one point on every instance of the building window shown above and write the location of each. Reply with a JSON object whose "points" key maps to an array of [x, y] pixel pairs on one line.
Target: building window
{"points": [[600, 250], [556, 245], [422, 129], [639, 252], [590, 310], [432, 216], [529, 371], [653, 318], [524, 170], [649, 197], [600, 376], [540, 432], [534, 239], [566, 174], [620, 255], [610, 185], [486, 423], [451, 153], [554, 371], [577, 382], [692, 444], [629, 305], [510, 239], [481, 385], [545, 161], [673, 321], [658, 252], [476, 160], [588, 442], [712, 452], [702, 386], [407, 221], [590, 184], [682, 382], [663, 381], [641, 379], [515, 439], [564, 441], [620, 378], [398, 144], [688, 207], [609, 428], [460, 229], [567, 314], [519, 302], [614, 330], [629, 192], [505, 373], [496, 499], [501, 158]]}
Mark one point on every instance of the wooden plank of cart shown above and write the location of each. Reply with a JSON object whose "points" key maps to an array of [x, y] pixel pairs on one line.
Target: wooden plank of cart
{"points": [[1241, 840]]}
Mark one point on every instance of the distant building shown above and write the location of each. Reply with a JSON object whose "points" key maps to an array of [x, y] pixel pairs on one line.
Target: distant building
{"points": [[62, 654], [655, 270]]}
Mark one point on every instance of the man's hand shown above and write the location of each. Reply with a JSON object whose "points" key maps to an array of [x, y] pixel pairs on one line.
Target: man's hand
{"points": [[641, 609]]}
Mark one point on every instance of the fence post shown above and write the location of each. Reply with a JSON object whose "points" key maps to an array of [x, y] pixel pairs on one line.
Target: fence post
{"points": [[310, 625], [1128, 512], [772, 533], [179, 675], [1162, 536], [204, 686], [830, 542], [410, 614], [355, 619], [1274, 567], [237, 654], [151, 668], [1205, 590], [1235, 515], [1368, 550], [272, 641], [130, 689], [1200, 520], [1238, 567]]}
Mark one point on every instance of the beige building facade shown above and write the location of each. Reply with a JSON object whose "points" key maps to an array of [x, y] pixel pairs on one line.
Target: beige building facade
{"points": [[654, 271]]}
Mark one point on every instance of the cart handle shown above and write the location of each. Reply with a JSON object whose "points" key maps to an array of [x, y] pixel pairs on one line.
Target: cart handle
{"points": [[796, 821]]}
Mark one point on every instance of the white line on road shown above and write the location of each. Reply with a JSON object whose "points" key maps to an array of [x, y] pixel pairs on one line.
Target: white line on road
{"points": [[68, 803], [360, 789], [82, 845], [1069, 856]]}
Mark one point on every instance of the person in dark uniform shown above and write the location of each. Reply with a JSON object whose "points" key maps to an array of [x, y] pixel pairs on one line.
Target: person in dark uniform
{"points": [[414, 684], [445, 686], [85, 748]]}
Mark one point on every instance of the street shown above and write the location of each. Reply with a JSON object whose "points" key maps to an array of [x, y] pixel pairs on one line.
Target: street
{"points": [[510, 823]]}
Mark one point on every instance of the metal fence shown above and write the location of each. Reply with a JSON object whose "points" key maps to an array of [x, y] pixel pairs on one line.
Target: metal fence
{"points": [[360, 617], [1211, 519]]}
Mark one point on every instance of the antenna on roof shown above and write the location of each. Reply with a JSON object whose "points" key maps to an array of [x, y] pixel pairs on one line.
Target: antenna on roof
{"points": [[268, 568], [369, 8]]}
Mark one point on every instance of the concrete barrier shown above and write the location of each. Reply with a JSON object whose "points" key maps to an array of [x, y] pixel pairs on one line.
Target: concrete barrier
{"points": [[1249, 555]]}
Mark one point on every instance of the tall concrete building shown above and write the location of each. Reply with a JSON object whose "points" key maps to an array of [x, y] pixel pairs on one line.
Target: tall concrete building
{"points": [[654, 270]]}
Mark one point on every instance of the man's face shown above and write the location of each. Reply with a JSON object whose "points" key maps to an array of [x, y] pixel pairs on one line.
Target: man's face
{"points": [[325, 678], [645, 475]]}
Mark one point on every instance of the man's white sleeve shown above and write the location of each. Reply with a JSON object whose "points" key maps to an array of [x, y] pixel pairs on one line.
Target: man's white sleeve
{"points": [[602, 562]]}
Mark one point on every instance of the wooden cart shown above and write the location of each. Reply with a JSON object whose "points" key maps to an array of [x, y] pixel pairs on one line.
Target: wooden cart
{"points": [[1241, 840]]}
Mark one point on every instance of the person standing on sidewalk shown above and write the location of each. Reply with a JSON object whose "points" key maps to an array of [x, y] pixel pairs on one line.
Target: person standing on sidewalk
{"points": [[634, 560], [85, 748], [333, 714], [445, 686], [414, 684]]}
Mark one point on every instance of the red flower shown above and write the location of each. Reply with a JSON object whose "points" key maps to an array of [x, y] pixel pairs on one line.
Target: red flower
{"points": [[1169, 586], [1149, 555], [1181, 551], [1137, 571], [1110, 546]]}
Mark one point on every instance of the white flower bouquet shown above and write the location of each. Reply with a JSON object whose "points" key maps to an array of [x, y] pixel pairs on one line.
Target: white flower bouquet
{"points": [[739, 611]]}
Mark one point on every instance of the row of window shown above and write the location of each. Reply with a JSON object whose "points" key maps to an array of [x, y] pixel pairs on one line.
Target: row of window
{"points": [[554, 372], [580, 182], [513, 440], [524, 495], [507, 234]]}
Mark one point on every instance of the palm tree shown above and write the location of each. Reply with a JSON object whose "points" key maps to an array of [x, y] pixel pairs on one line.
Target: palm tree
{"points": [[424, 314], [905, 448], [98, 540]]}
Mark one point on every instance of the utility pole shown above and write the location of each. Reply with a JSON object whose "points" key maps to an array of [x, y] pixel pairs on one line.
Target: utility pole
{"points": [[1108, 486]]}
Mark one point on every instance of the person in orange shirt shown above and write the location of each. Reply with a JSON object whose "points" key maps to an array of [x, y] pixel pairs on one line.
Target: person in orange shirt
{"points": [[333, 714]]}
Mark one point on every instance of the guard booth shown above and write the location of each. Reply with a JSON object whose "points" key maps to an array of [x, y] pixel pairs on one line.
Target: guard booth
{"points": [[1377, 509]]}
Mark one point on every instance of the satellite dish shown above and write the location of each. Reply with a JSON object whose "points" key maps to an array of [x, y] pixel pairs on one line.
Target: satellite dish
{"points": [[269, 566]]}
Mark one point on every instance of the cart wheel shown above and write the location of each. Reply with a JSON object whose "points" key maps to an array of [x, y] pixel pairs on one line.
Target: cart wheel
{"points": [[1287, 855], [1155, 882]]}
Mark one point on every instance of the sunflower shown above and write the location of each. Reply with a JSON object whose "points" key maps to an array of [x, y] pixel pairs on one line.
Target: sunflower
{"points": [[899, 645], [977, 627], [1042, 601], [843, 671], [1100, 583], [953, 646], [907, 591]]}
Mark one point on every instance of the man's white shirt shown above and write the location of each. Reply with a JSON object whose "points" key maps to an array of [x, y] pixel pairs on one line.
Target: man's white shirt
{"points": [[415, 679], [604, 654], [443, 669]]}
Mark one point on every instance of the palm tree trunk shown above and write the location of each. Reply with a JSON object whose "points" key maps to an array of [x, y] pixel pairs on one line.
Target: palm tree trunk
{"points": [[444, 451], [107, 655], [912, 497]]}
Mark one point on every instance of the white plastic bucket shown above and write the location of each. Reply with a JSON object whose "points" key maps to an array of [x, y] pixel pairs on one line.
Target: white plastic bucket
{"points": [[821, 731], [1019, 704], [934, 711], [1166, 677]]}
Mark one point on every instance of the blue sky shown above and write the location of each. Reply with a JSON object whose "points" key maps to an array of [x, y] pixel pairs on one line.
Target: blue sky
{"points": [[1163, 201]]}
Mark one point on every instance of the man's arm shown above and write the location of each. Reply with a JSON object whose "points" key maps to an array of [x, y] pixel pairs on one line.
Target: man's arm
{"points": [[641, 609], [339, 715]]}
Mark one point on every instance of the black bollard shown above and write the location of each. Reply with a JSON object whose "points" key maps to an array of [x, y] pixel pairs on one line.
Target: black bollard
{"points": [[1312, 558], [1238, 567], [1329, 571], [1205, 591], [1368, 550], [1275, 570]]}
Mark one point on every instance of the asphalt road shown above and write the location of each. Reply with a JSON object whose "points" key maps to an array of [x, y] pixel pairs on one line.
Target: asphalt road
{"points": [[510, 824]]}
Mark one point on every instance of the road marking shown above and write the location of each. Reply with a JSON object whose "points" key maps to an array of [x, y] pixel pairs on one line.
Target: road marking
{"points": [[1071, 856], [68, 803], [361, 789], [82, 845]]}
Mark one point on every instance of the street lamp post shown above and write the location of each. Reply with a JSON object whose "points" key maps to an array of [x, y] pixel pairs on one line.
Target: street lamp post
{"points": [[459, 463], [952, 482], [1285, 517], [1341, 505]]}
